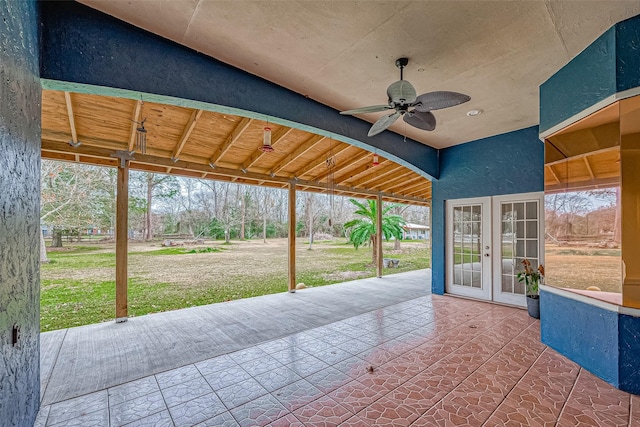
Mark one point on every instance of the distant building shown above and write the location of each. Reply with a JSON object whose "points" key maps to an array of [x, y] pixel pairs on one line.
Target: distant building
{"points": [[415, 231]]}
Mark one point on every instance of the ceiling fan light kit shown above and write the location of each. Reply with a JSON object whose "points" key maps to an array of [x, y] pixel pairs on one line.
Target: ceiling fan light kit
{"points": [[402, 96]]}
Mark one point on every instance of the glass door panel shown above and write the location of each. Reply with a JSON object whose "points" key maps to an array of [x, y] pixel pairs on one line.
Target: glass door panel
{"points": [[468, 238], [519, 237]]}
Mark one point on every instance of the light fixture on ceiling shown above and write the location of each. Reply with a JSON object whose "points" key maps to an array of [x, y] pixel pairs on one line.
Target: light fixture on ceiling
{"points": [[141, 138], [376, 160], [473, 113], [266, 140]]}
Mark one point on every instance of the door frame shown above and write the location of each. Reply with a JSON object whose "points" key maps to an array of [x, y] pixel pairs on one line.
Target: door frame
{"points": [[491, 237], [498, 296], [485, 293]]}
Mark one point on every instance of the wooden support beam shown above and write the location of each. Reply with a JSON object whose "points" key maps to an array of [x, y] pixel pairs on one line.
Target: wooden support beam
{"points": [[134, 125], [588, 165], [191, 124], [276, 137], [320, 160], [553, 173], [302, 148], [415, 187], [388, 172], [353, 172], [242, 125], [342, 166], [366, 170], [379, 234], [579, 156], [72, 121], [400, 182], [425, 188], [291, 248], [122, 241], [153, 163]]}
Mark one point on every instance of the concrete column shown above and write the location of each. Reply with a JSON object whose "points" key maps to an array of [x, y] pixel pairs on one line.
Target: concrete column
{"points": [[20, 135]]}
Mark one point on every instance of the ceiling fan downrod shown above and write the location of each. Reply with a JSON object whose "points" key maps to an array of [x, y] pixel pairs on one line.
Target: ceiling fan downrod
{"points": [[401, 63]]}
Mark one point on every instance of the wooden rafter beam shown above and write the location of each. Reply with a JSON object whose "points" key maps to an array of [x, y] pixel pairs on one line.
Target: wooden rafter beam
{"points": [[299, 151], [242, 125], [320, 160], [419, 190], [276, 137], [353, 172], [191, 124], [337, 168], [588, 165], [366, 172], [135, 119], [402, 182], [589, 154], [588, 184], [553, 173], [382, 173], [181, 167], [72, 121], [408, 188]]}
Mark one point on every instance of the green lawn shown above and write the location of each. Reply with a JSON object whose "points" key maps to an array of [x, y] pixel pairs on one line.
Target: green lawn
{"points": [[78, 284]]}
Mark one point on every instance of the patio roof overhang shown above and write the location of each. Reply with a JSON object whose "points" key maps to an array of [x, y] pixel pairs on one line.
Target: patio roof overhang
{"points": [[191, 142]]}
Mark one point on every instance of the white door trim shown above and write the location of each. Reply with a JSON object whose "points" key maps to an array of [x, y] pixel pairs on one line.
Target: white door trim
{"points": [[486, 289], [498, 295]]}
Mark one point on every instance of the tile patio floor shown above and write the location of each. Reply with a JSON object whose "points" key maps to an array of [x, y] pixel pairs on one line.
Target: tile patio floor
{"points": [[428, 361]]}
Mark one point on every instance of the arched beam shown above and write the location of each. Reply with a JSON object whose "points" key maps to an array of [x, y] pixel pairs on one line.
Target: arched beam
{"points": [[113, 57]]}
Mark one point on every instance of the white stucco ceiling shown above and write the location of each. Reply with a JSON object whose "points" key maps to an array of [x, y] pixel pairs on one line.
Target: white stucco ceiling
{"points": [[342, 53]]}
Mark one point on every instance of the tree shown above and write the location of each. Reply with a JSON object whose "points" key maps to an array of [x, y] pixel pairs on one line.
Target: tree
{"points": [[363, 230], [152, 186], [73, 197]]}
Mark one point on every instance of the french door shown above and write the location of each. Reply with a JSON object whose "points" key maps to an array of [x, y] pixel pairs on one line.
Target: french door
{"points": [[487, 239]]}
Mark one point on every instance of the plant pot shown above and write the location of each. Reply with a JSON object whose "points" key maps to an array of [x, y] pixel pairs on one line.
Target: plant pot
{"points": [[533, 306]]}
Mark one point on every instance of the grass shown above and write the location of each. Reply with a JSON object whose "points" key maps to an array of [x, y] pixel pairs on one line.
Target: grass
{"points": [[78, 287]]}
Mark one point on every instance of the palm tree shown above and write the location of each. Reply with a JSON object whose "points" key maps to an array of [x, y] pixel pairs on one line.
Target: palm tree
{"points": [[363, 230]]}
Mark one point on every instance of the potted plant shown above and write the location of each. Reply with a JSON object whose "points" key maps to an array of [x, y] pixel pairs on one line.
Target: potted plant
{"points": [[532, 279]]}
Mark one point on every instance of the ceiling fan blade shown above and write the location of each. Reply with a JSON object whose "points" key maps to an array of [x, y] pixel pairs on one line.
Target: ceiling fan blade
{"points": [[438, 100], [401, 92], [371, 109], [383, 123], [420, 120]]}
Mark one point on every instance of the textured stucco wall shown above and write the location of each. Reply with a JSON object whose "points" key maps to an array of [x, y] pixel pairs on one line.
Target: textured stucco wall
{"points": [[608, 65], [584, 333], [504, 164], [19, 212], [628, 54], [587, 79], [628, 359]]}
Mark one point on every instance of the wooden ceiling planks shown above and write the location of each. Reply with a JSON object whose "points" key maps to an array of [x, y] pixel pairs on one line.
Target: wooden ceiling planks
{"points": [[186, 141], [596, 169]]}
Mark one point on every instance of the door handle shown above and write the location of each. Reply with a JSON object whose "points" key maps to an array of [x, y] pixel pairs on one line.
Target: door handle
{"points": [[487, 255]]}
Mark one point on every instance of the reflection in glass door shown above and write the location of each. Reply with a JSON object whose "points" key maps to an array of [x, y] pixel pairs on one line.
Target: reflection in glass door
{"points": [[519, 234], [468, 256]]}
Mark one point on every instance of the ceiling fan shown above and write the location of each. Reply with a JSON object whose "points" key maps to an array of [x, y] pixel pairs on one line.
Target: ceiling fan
{"points": [[402, 97]]}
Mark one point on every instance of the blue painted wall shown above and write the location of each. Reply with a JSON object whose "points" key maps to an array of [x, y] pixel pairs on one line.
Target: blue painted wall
{"points": [[628, 54], [82, 45], [20, 96], [584, 333], [589, 78], [609, 65], [503, 164], [629, 353]]}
